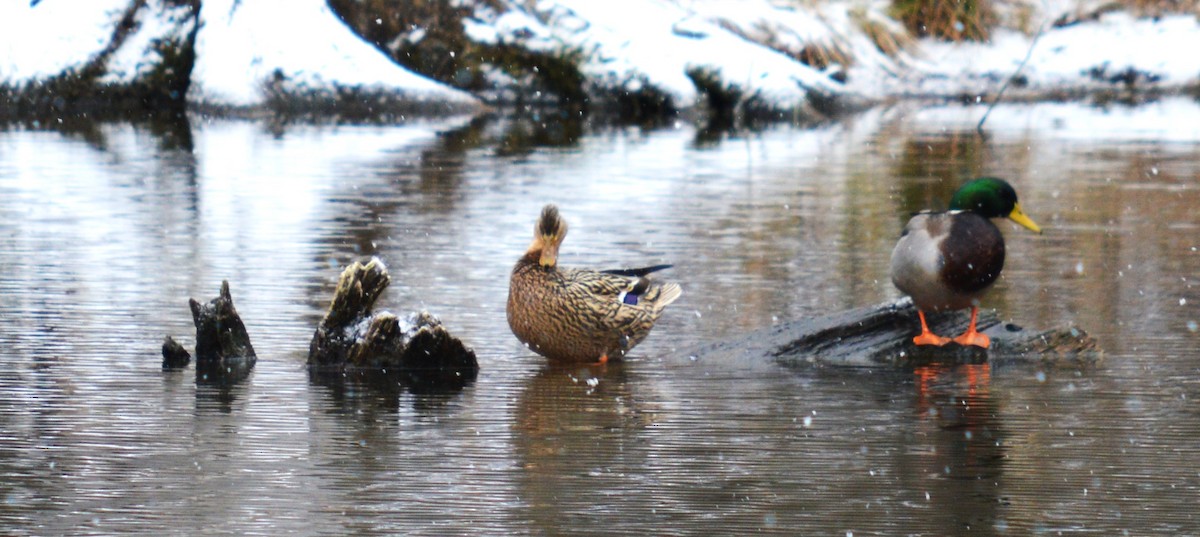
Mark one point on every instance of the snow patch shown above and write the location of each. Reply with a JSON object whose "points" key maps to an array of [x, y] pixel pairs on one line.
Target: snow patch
{"points": [[1167, 120], [626, 43], [139, 54], [245, 45], [301, 47], [38, 42], [1093, 54]]}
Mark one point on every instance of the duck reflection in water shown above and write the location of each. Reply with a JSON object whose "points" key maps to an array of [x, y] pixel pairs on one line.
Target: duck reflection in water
{"points": [[965, 443], [580, 437]]}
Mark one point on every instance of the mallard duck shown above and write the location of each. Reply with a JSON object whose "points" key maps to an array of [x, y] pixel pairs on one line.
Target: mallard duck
{"points": [[947, 260], [580, 315]]}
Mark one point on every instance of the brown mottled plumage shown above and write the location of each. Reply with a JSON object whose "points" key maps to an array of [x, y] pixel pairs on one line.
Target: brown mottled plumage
{"points": [[580, 315]]}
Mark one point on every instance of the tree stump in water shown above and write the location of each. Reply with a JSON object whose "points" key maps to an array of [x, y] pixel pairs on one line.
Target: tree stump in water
{"points": [[351, 337], [223, 349], [174, 355], [882, 336], [220, 334]]}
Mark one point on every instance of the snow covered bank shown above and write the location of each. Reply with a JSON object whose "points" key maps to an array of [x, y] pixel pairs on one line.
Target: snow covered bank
{"points": [[876, 58], [664, 55], [249, 50], [104, 52], [627, 44], [788, 55], [1174, 120], [219, 53], [1116, 51]]}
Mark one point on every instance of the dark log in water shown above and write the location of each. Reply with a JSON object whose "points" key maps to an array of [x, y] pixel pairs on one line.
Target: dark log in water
{"points": [[224, 354], [351, 336], [174, 355], [220, 335], [882, 335]]}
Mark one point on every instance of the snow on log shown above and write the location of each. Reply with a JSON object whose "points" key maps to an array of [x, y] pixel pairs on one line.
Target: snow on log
{"points": [[353, 337]]}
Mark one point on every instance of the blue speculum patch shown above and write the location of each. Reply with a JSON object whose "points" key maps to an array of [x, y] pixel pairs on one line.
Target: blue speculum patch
{"points": [[630, 299]]}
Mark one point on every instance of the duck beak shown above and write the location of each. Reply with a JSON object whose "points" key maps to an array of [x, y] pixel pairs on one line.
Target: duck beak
{"points": [[1019, 217], [549, 251]]}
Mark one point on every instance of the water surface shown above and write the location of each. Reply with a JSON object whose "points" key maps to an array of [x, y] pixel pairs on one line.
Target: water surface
{"points": [[107, 229]]}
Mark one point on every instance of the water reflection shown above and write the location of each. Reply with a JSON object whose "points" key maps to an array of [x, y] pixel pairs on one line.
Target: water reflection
{"points": [[104, 226], [217, 390], [579, 435], [939, 164], [965, 444], [223, 382], [383, 390], [523, 134]]}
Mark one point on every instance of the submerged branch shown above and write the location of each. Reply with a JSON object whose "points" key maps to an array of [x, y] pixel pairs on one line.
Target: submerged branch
{"points": [[1000, 94]]}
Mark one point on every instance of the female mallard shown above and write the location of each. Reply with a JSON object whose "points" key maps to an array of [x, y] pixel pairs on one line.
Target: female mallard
{"points": [[580, 315], [947, 260]]}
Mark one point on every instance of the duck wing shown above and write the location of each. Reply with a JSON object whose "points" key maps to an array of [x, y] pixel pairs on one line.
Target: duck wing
{"points": [[637, 272], [626, 286]]}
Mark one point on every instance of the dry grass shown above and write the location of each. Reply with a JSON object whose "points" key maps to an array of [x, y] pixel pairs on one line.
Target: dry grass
{"points": [[1145, 8], [1138, 8], [1159, 8], [822, 55], [815, 54], [951, 20], [888, 37]]}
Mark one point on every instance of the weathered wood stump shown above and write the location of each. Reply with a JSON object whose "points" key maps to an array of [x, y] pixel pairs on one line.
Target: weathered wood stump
{"points": [[220, 334], [174, 355], [223, 350], [352, 337], [881, 335]]}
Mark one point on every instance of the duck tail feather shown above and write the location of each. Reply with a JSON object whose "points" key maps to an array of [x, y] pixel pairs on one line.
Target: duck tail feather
{"points": [[668, 293]]}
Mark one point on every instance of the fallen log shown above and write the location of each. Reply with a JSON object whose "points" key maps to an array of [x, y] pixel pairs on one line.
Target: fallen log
{"points": [[881, 335], [351, 337]]}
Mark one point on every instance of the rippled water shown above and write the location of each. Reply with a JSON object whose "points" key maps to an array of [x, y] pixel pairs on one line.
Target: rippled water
{"points": [[106, 230]]}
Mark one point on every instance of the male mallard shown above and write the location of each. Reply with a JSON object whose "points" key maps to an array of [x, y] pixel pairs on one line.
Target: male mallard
{"points": [[947, 260], [580, 315]]}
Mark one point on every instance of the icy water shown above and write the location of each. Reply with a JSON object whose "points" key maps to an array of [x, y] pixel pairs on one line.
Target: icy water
{"points": [[106, 230]]}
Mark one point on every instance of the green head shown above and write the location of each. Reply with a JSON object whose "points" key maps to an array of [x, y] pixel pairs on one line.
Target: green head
{"points": [[990, 197]]}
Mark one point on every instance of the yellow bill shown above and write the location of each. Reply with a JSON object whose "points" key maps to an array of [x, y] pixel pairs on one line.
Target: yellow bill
{"points": [[1019, 217]]}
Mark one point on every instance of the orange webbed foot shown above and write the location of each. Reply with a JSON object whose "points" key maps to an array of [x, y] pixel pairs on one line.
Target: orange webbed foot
{"points": [[971, 337], [930, 338], [927, 337]]}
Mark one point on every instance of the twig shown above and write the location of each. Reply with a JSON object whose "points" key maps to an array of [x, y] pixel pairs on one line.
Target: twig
{"points": [[1000, 94]]}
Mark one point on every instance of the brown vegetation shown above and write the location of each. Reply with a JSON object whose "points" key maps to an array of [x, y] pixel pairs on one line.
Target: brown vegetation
{"points": [[951, 20]]}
